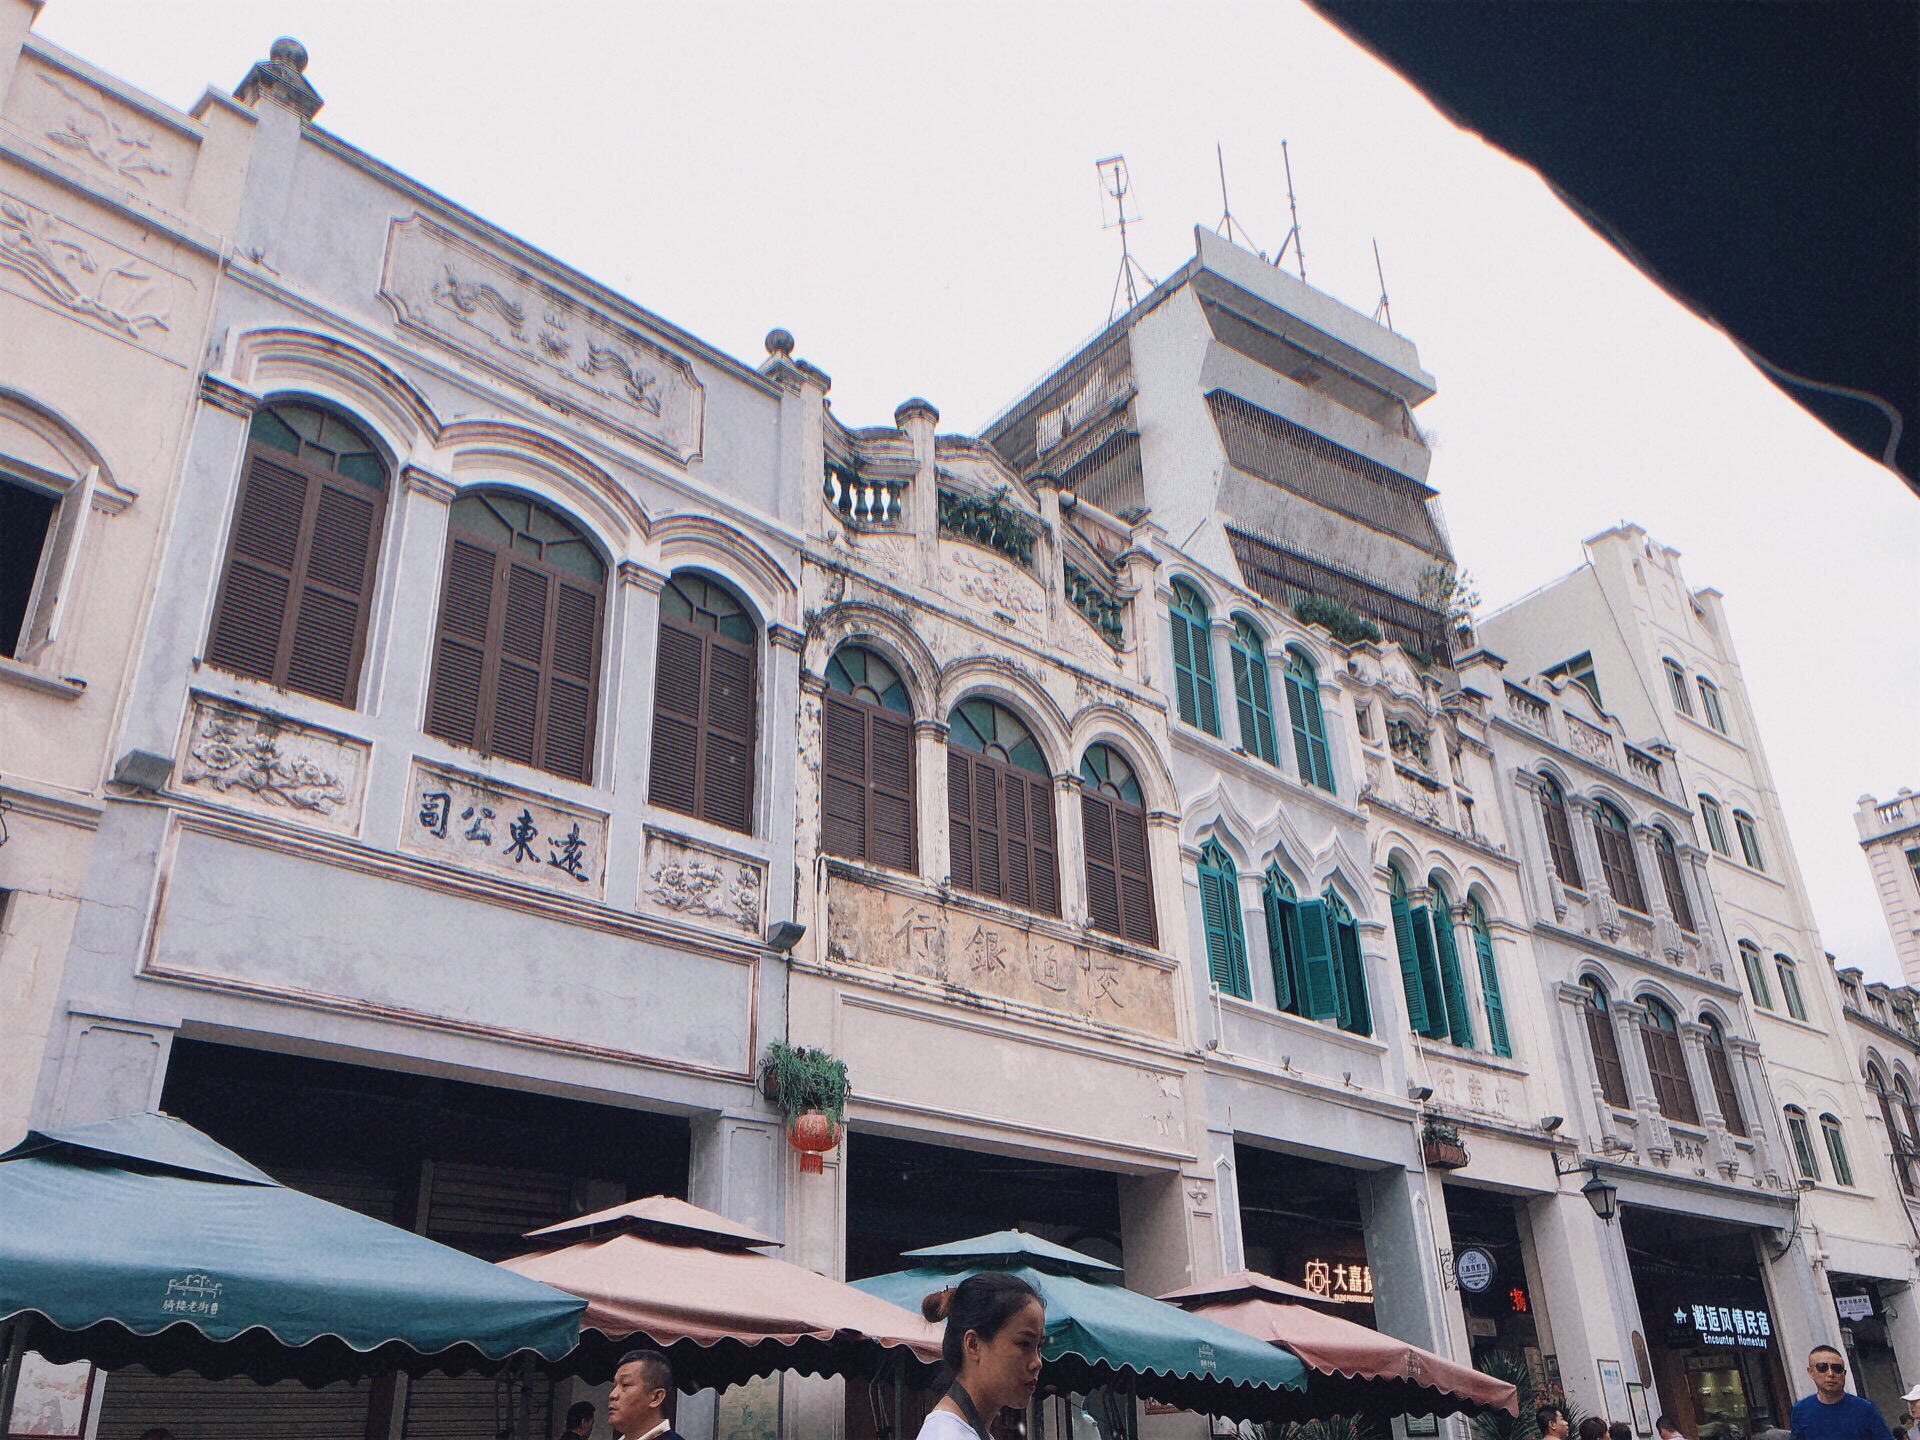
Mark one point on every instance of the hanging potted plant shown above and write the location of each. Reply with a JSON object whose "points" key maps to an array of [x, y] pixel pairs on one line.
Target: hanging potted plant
{"points": [[811, 1089], [1442, 1147]]}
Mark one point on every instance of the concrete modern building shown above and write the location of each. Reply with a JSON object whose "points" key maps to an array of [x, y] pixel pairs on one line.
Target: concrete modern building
{"points": [[1890, 834], [1627, 628], [114, 210]]}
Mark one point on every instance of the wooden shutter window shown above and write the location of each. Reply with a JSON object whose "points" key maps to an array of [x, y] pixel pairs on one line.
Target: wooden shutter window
{"points": [[1453, 983], [1616, 858], [866, 768], [297, 582], [1113, 822], [1193, 661], [1253, 691], [1410, 978], [1553, 814], [1670, 880], [1310, 751], [1283, 939], [1720, 1071], [1356, 1011], [1220, 917], [1000, 814], [516, 650], [1606, 1050], [1667, 1064], [1497, 1035], [1319, 963], [706, 705], [1429, 969]]}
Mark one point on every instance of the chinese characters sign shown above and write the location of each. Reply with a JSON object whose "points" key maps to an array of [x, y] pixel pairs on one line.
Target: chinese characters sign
{"points": [[1040, 963], [1338, 1279], [492, 828], [195, 1294], [1724, 1327]]}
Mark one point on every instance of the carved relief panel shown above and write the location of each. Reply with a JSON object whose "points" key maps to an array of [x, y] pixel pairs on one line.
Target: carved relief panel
{"points": [[973, 576], [249, 759], [54, 263], [989, 956], [703, 885], [482, 825], [99, 133], [445, 287]]}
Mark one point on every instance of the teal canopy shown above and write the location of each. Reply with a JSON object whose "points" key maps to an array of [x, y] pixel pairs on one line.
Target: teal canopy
{"points": [[1099, 1332], [140, 1240]]}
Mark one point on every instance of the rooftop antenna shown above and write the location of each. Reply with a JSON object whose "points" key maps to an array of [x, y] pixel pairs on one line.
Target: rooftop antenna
{"points": [[1230, 228], [1293, 235], [1117, 185], [1384, 310]]}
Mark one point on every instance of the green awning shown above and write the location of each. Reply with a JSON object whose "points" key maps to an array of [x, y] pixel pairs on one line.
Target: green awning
{"points": [[140, 1240], [1099, 1332]]}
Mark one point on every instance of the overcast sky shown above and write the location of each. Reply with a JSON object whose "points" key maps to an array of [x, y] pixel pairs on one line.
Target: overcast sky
{"points": [[910, 189]]}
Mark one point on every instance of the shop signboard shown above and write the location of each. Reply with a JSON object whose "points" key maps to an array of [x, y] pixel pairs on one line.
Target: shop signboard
{"points": [[1720, 1327], [1473, 1268], [1854, 1307]]}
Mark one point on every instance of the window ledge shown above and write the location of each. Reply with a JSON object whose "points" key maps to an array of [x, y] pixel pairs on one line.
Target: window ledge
{"points": [[30, 677], [1706, 728], [1447, 1050], [1324, 1029]]}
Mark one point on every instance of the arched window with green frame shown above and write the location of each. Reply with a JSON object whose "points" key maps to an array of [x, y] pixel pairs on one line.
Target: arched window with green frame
{"points": [[1314, 946], [1193, 687], [1253, 689], [1497, 1035], [1220, 917], [1419, 971], [1356, 1010], [1310, 750], [1446, 954]]}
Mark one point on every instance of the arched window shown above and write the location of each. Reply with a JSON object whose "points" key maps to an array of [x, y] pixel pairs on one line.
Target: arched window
{"points": [[1285, 944], [297, 582], [1419, 968], [1356, 1010], [1802, 1141], [1670, 878], [1193, 659], [1603, 1043], [516, 661], [1836, 1139], [1315, 951], [1446, 954], [1715, 823], [1677, 686], [1616, 857], [1220, 917], [1497, 1035], [1907, 1144], [705, 704], [1553, 814], [866, 762], [1790, 995], [1667, 1063], [1749, 833], [1113, 823], [1710, 705], [1254, 690], [1000, 808], [1896, 1138], [1720, 1072], [1756, 974], [1310, 750]]}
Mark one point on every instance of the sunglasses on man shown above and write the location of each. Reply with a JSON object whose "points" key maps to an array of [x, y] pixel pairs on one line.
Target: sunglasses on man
{"points": [[1827, 1367]]}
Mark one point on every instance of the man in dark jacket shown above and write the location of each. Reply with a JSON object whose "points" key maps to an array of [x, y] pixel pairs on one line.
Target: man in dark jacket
{"points": [[1830, 1413], [637, 1404]]}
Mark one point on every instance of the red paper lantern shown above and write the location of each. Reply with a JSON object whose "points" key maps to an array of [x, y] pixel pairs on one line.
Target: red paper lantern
{"points": [[812, 1134]]}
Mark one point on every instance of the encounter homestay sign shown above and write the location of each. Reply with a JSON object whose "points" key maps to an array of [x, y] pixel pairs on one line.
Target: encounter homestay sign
{"points": [[1724, 1327]]}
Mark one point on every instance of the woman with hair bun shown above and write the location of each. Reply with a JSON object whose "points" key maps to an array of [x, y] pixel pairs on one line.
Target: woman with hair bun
{"points": [[995, 1324]]}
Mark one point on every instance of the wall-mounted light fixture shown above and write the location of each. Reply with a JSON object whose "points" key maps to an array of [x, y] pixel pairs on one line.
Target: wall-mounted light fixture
{"points": [[1602, 1194], [783, 935]]}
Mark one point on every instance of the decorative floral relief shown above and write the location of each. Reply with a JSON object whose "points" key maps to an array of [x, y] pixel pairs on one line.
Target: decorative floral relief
{"points": [[90, 132], [1595, 744], [684, 880], [82, 273], [262, 762], [473, 300], [995, 585]]}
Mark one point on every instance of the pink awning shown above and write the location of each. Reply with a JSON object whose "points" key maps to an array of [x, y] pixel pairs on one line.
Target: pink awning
{"points": [[664, 1273], [1407, 1379]]}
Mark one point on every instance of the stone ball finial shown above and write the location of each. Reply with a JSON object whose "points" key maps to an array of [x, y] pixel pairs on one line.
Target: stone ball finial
{"points": [[290, 52], [780, 343], [915, 406]]}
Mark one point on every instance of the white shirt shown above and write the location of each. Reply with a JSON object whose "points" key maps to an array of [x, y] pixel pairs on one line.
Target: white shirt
{"points": [[945, 1425], [660, 1429]]}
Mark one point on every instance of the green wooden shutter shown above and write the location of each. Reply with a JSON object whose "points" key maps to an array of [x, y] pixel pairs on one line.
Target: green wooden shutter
{"points": [[1319, 962], [1317, 730], [1309, 725], [1255, 694], [1356, 1014], [1490, 991], [1279, 914], [1429, 974], [1409, 963], [1243, 697], [1452, 980], [1183, 687], [1193, 661], [1220, 914]]}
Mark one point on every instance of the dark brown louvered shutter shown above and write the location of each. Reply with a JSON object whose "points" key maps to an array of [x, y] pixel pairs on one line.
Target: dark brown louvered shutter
{"points": [[572, 680], [1720, 1071], [1667, 1065], [515, 732], [1606, 1056], [1135, 874], [727, 766], [1046, 860], [843, 778], [989, 874], [460, 649], [890, 827], [960, 816], [674, 775], [298, 578], [1103, 879]]}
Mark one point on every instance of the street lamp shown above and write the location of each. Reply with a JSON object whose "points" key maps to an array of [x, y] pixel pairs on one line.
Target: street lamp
{"points": [[1602, 1194]]}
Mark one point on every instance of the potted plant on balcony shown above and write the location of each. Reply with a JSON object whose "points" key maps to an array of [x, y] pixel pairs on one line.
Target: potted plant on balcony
{"points": [[1441, 1145], [811, 1089]]}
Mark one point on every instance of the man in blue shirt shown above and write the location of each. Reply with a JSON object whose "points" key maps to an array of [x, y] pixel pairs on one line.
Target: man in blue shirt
{"points": [[1830, 1413]]}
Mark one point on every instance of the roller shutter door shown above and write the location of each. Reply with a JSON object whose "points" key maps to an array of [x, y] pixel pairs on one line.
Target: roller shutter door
{"points": [[195, 1409]]}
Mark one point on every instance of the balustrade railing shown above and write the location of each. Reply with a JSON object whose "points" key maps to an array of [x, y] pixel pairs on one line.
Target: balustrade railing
{"points": [[864, 501], [1644, 768], [1527, 709], [1093, 600]]}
